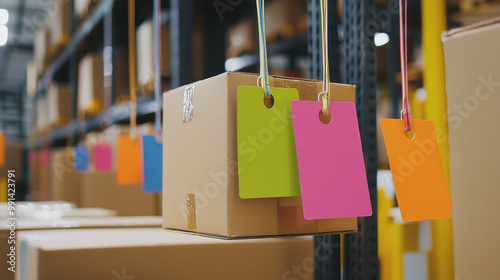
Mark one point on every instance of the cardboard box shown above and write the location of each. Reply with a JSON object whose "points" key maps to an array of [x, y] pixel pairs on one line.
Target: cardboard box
{"points": [[145, 56], [285, 19], [473, 91], [90, 85], [31, 78], [242, 37], [13, 161], [64, 183], [83, 8], [159, 254], [66, 223], [33, 172], [41, 45], [102, 190], [59, 25], [121, 83], [41, 120], [58, 105], [190, 166]]}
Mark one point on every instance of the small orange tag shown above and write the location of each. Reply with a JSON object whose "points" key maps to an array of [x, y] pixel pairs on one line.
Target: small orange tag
{"points": [[417, 170], [129, 161], [2, 149]]}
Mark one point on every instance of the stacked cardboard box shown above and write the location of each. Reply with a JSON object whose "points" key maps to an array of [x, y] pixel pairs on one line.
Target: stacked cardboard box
{"points": [[83, 8], [73, 223], [159, 254], [31, 78]]}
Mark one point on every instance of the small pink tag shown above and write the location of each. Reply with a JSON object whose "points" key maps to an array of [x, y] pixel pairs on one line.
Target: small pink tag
{"points": [[31, 157], [102, 157], [330, 159], [44, 158]]}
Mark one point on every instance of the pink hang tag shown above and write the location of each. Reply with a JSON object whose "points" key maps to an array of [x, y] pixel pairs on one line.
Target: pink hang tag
{"points": [[330, 160], [44, 158], [102, 157]]}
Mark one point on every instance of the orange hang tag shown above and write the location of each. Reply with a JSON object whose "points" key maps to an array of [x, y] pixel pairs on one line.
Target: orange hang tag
{"points": [[417, 170], [2, 149], [129, 161]]}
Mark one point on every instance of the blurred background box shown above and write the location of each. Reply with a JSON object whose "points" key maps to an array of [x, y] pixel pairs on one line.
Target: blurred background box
{"points": [[41, 48], [285, 19], [83, 254], [102, 190], [59, 25], [90, 85], [145, 57], [58, 100], [83, 8], [31, 78], [242, 37], [64, 180], [13, 160]]}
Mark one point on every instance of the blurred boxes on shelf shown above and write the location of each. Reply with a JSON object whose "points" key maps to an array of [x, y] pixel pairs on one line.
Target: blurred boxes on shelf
{"points": [[26, 225], [13, 160], [59, 25], [90, 85], [145, 57], [41, 47], [58, 105], [285, 19], [65, 182], [121, 83], [31, 78], [242, 37], [102, 190], [473, 86], [205, 174], [158, 254], [83, 8], [41, 120]]}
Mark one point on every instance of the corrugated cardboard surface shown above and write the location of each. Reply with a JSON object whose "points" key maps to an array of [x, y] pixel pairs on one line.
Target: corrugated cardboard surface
{"points": [[58, 103], [161, 254], [473, 86], [200, 157], [102, 190], [66, 223], [64, 181]]}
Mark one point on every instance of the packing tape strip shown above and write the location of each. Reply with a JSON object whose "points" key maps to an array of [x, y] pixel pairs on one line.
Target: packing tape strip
{"points": [[191, 211]]}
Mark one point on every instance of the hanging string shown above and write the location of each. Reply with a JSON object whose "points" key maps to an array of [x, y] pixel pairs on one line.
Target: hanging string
{"points": [[264, 74], [132, 74], [403, 45], [325, 94], [157, 73]]}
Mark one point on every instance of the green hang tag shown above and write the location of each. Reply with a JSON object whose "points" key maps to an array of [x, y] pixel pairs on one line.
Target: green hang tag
{"points": [[267, 160]]}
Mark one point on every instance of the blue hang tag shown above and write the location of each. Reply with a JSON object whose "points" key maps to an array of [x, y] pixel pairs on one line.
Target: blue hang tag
{"points": [[82, 159], [152, 164]]}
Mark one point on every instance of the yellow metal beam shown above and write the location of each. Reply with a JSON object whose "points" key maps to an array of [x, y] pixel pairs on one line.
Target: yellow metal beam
{"points": [[433, 24]]}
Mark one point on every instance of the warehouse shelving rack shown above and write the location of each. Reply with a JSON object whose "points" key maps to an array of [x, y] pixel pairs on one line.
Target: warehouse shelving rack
{"points": [[104, 30]]}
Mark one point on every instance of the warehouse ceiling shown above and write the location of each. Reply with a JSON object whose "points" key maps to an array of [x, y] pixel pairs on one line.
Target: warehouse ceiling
{"points": [[25, 17]]}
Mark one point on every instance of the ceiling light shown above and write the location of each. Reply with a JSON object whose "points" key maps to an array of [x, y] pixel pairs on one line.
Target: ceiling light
{"points": [[4, 16], [381, 39], [4, 35]]}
